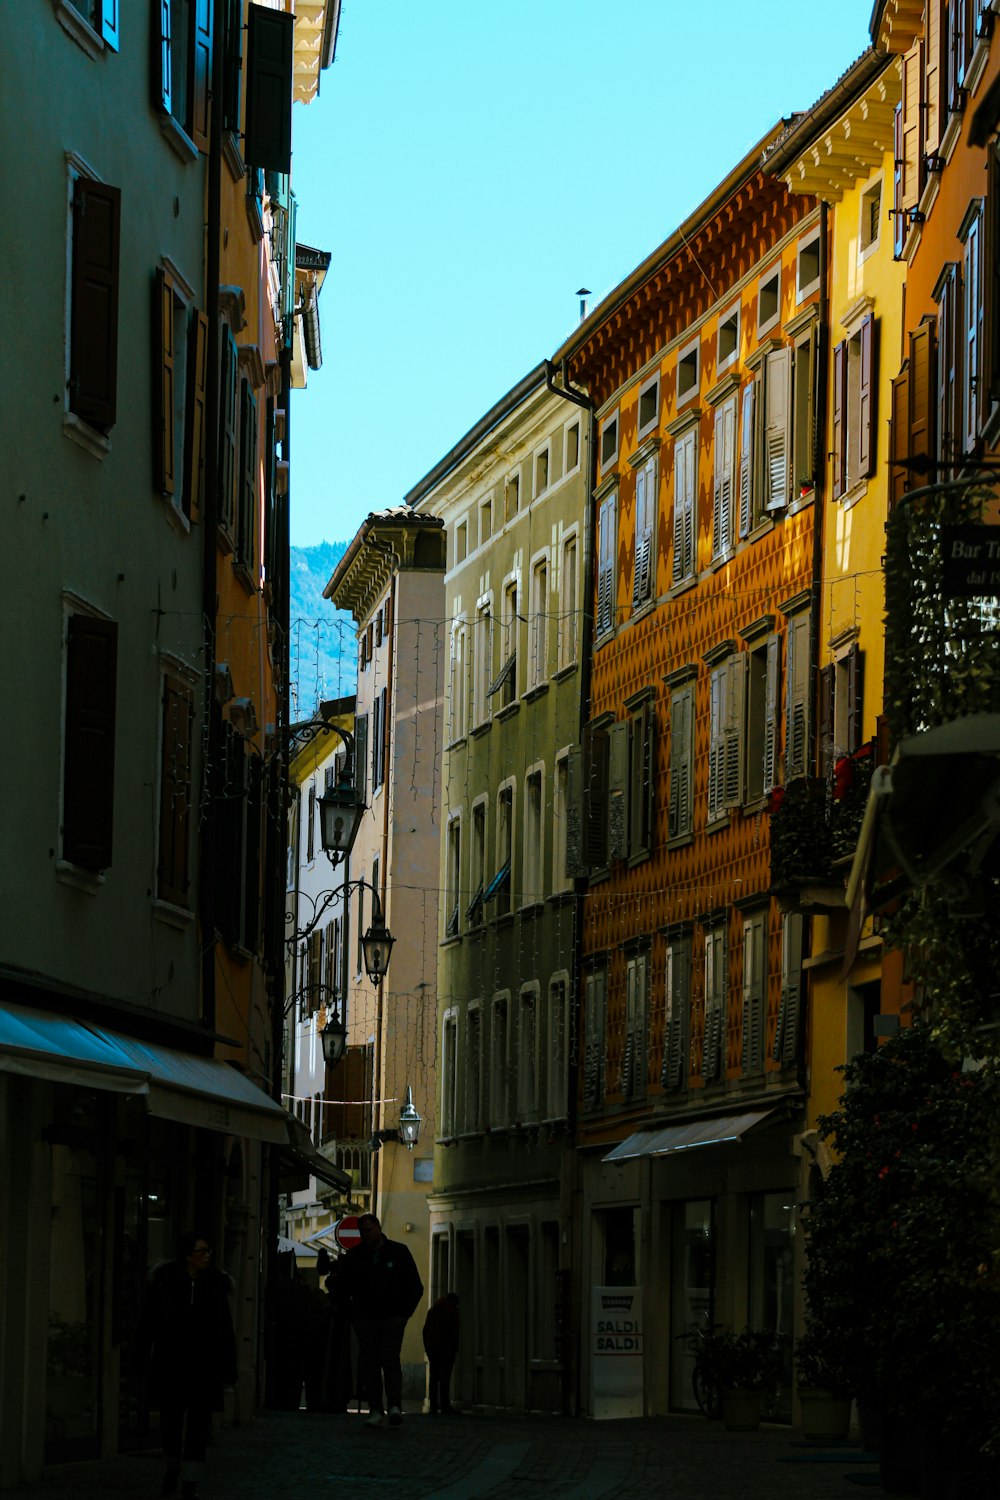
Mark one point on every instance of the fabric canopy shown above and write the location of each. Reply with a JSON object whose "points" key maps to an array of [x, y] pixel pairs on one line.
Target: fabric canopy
{"points": [[300, 1148], [686, 1136]]}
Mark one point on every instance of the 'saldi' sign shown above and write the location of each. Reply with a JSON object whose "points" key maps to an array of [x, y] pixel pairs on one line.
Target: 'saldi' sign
{"points": [[616, 1351]]}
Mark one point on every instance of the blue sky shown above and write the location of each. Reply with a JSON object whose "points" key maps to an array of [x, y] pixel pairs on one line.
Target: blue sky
{"points": [[470, 165]]}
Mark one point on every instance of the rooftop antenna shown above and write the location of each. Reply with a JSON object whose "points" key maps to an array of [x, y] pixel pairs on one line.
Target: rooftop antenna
{"points": [[583, 293]]}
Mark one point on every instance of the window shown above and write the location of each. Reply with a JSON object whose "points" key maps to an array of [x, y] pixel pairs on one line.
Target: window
{"points": [[972, 326], [533, 879], [908, 145], [595, 1023], [572, 448], [512, 494], [560, 814], [95, 232], [854, 418], [798, 700], [754, 991], [552, 1037], [505, 681], [359, 956], [688, 371], [947, 294], [449, 1075], [457, 682], [499, 887], [607, 536], [334, 958], [453, 876], [768, 300], [230, 454], [723, 477], [594, 795], [246, 515], [649, 405], [870, 219], [101, 17], [716, 957], [486, 520], [766, 459], [633, 1078], [499, 1081], [728, 340], [239, 843], [539, 623], [644, 578], [180, 342], [474, 1070], [786, 1036], [542, 470], [685, 524], [807, 266], [568, 625], [176, 746], [461, 541], [183, 69], [311, 823], [380, 736], [474, 912], [681, 816], [527, 1044], [725, 736], [840, 706], [677, 1017], [631, 775], [802, 461], [89, 741], [763, 698], [609, 440], [483, 661]]}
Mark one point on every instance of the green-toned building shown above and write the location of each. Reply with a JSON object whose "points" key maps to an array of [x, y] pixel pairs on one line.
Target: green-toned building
{"points": [[512, 496]]}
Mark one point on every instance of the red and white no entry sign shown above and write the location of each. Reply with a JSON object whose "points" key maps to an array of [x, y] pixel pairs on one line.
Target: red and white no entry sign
{"points": [[347, 1233]]}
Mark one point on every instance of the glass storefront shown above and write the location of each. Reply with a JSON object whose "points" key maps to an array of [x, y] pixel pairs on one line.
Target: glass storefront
{"points": [[692, 1293], [771, 1290]]}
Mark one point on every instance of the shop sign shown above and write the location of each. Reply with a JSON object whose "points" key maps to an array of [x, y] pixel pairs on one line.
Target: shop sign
{"points": [[616, 1351], [970, 559]]}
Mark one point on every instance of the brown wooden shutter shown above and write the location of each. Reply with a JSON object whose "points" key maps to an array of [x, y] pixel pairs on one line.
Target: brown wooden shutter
{"points": [[867, 398], [348, 1090], [232, 75], [228, 390], [164, 368], [839, 413], [618, 790], [989, 358], [912, 126], [268, 141], [575, 799], [93, 364], [772, 708], [201, 73], [935, 75], [194, 429], [899, 437], [89, 741], [177, 736], [595, 777], [921, 393]]}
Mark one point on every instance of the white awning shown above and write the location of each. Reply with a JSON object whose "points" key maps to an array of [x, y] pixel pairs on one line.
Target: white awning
{"points": [[298, 1144], [176, 1085], [685, 1137]]}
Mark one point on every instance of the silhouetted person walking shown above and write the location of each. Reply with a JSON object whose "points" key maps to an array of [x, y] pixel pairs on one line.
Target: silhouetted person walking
{"points": [[186, 1346], [381, 1287], [440, 1334]]}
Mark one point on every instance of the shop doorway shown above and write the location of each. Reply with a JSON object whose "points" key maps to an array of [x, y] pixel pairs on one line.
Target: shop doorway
{"points": [[692, 1290]]}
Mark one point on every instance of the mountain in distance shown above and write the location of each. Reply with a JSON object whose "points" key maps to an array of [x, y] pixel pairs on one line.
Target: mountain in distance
{"points": [[323, 648]]}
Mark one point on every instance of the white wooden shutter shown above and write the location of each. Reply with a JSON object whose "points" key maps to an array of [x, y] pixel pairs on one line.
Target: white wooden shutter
{"points": [[777, 407], [754, 968], [798, 702], [912, 126], [645, 514], [732, 774], [680, 763], [935, 73], [606, 566], [684, 468], [786, 1040], [718, 684], [618, 790]]}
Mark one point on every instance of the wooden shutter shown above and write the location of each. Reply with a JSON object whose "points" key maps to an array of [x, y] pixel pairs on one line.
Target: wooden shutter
{"points": [[93, 364], [678, 998], [164, 372], [867, 397], [805, 472], [827, 685], [911, 127], [644, 520], [595, 769], [899, 437], [898, 214], [786, 1042], [642, 778], [921, 393], [268, 143], [746, 460], [361, 756], [110, 24], [618, 790], [972, 334], [201, 72], [958, 36], [194, 427], [248, 476], [628, 1041], [575, 807], [935, 75], [684, 462], [349, 1090], [594, 1024], [946, 375], [989, 359], [717, 684], [177, 736], [855, 698], [680, 763], [715, 1002], [776, 414], [606, 565], [754, 949], [772, 700], [229, 425], [839, 419], [89, 741], [735, 709], [251, 857], [797, 714], [162, 61], [232, 67]]}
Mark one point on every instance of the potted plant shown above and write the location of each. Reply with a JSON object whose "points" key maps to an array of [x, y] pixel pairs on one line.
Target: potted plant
{"points": [[824, 1385], [740, 1368]]}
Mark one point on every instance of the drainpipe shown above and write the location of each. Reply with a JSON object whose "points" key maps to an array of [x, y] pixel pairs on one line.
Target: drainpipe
{"points": [[383, 865], [209, 520], [568, 1218]]}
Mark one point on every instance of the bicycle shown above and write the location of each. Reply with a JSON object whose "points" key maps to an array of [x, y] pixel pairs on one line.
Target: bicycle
{"points": [[697, 1339]]}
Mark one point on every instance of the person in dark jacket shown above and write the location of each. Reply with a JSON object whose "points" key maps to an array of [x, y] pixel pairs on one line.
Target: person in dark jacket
{"points": [[186, 1347], [381, 1287], [440, 1334]]}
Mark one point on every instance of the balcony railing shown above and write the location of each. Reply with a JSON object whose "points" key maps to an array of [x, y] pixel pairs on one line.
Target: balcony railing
{"points": [[814, 831]]}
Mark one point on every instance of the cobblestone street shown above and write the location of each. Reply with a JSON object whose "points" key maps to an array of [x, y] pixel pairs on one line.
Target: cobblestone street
{"points": [[474, 1457]]}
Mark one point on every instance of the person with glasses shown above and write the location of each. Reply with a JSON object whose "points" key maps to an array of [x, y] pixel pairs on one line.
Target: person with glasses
{"points": [[186, 1347]]}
